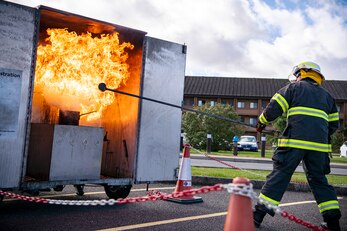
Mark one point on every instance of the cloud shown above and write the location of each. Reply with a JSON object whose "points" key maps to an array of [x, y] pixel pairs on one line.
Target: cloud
{"points": [[251, 38]]}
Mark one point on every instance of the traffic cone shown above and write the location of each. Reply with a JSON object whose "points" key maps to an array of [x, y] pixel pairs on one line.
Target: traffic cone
{"points": [[240, 212], [184, 181]]}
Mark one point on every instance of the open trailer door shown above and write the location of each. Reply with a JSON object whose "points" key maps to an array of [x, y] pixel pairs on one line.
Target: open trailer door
{"points": [[160, 125], [17, 58]]}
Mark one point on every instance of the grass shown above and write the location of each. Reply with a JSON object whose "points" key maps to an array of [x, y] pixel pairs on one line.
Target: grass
{"points": [[268, 154], [258, 174]]}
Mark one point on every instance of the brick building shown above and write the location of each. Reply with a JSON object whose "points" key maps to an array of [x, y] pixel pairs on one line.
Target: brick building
{"points": [[249, 96]]}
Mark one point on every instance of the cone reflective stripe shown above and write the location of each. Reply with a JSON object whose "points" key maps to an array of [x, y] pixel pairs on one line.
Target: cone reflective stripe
{"points": [[240, 212], [184, 181]]}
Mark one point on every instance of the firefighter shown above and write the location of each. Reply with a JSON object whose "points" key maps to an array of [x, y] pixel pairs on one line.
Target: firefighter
{"points": [[312, 117]]}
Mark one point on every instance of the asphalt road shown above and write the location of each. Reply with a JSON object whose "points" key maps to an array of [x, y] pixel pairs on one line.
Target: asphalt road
{"points": [[157, 215]]}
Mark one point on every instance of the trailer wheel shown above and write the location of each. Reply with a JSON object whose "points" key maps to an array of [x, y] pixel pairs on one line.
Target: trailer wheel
{"points": [[116, 192], [79, 189], [59, 188]]}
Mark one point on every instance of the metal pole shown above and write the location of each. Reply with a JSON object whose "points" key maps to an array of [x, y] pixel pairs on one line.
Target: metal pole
{"points": [[103, 87], [235, 148], [181, 141], [263, 143], [235, 140], [209, 142]]}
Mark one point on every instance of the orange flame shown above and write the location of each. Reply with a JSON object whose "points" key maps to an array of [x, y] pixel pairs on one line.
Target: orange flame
{"points": [[70, 67]]}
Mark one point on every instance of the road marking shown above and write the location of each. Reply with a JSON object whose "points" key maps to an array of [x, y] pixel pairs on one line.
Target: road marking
{"points": [[163, 222], [91, 193], [149, 224], [302, 202]]}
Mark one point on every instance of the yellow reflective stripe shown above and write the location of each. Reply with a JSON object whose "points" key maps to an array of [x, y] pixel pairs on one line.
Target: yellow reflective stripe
{"points": [[327, 205], [308, 111], [303, 144], [262, 119], [281, 101], [268, 199], [333, 117]]}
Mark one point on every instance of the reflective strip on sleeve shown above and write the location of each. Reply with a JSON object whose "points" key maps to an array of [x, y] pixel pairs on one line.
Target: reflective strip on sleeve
{"points": [[308, 111], [262, 119], [333, 204], [268, 199], [333, 117], [303, 144], [281, 101]]}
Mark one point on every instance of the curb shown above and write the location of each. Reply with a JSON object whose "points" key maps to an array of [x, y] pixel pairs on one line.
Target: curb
{"points": [[258, 184]]}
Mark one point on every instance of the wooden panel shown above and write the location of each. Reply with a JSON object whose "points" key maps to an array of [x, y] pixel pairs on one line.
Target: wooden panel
{"points": [[40, 151]]}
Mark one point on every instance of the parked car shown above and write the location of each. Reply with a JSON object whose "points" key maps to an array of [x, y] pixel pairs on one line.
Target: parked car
{"points": [[247, 143], [343, 149]]}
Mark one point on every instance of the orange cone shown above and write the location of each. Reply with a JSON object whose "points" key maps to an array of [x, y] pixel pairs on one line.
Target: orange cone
{"points": [[240, 212], [184, 181]]}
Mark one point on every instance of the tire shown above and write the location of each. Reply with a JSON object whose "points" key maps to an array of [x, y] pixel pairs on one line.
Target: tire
{"points": [[116, 192], [59, 188]]}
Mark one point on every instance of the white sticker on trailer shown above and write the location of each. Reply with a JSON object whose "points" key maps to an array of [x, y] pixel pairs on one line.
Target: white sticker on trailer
{"points": [[10, 88]]}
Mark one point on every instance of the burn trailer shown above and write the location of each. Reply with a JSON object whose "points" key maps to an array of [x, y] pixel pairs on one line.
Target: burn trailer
{"points": [[47, 143]]}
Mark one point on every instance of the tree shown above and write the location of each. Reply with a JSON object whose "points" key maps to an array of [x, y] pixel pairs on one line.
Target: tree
{"points": [[279, 125], [196, 127], [337, 140]]}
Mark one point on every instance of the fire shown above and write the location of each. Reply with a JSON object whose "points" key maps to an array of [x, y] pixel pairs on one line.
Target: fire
{"points": [[70, 67]]}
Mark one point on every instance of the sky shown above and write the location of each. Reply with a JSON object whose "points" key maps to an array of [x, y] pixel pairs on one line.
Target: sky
{"points": [[233, 38]]}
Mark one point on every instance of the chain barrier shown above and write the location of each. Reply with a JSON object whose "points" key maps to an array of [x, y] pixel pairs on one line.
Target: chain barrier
{"points": [[289, 216], [236, 189], [153, 196], [248, 191]]}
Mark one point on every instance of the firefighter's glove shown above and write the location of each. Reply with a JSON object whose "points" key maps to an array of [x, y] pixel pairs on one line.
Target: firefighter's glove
{"points": [[260, 127]]}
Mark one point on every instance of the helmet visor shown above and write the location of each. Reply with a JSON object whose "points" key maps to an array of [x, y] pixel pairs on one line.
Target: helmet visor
{"points": [[294, 74]]}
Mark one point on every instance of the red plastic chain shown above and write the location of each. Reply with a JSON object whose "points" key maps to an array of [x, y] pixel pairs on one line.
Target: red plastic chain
{"points": [[156, 195], [24, 198], [234, 167], [222, 162], [301, 222], [164, 196], [153, 196]]}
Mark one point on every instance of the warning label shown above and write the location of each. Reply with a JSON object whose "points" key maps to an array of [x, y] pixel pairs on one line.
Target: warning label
{"points": [[10, 94]]}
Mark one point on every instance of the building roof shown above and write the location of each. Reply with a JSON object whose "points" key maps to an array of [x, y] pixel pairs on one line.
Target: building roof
{"points": [[231, 87]]}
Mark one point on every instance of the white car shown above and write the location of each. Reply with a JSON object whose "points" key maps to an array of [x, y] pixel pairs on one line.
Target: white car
{"points": [[343, 149], [247, 143]]}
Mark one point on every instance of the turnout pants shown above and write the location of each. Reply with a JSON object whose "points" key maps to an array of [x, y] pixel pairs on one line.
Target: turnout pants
{"points": [[316, 166]]}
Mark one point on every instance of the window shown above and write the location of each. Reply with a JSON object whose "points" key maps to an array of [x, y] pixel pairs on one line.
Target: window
{"points": [[223, 102], [253, 120], [240, 104], [242, 119], [253, 105], [201, 102], [213, 103], [188, 102]]}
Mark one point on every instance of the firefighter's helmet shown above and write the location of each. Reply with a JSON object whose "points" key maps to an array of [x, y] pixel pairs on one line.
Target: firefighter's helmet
{"points": [[305, 66]]}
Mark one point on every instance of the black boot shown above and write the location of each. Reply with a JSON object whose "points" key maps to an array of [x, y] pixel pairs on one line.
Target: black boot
{"points": [[332, 218], [259, 214], [258, 217], [334, 225]]}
